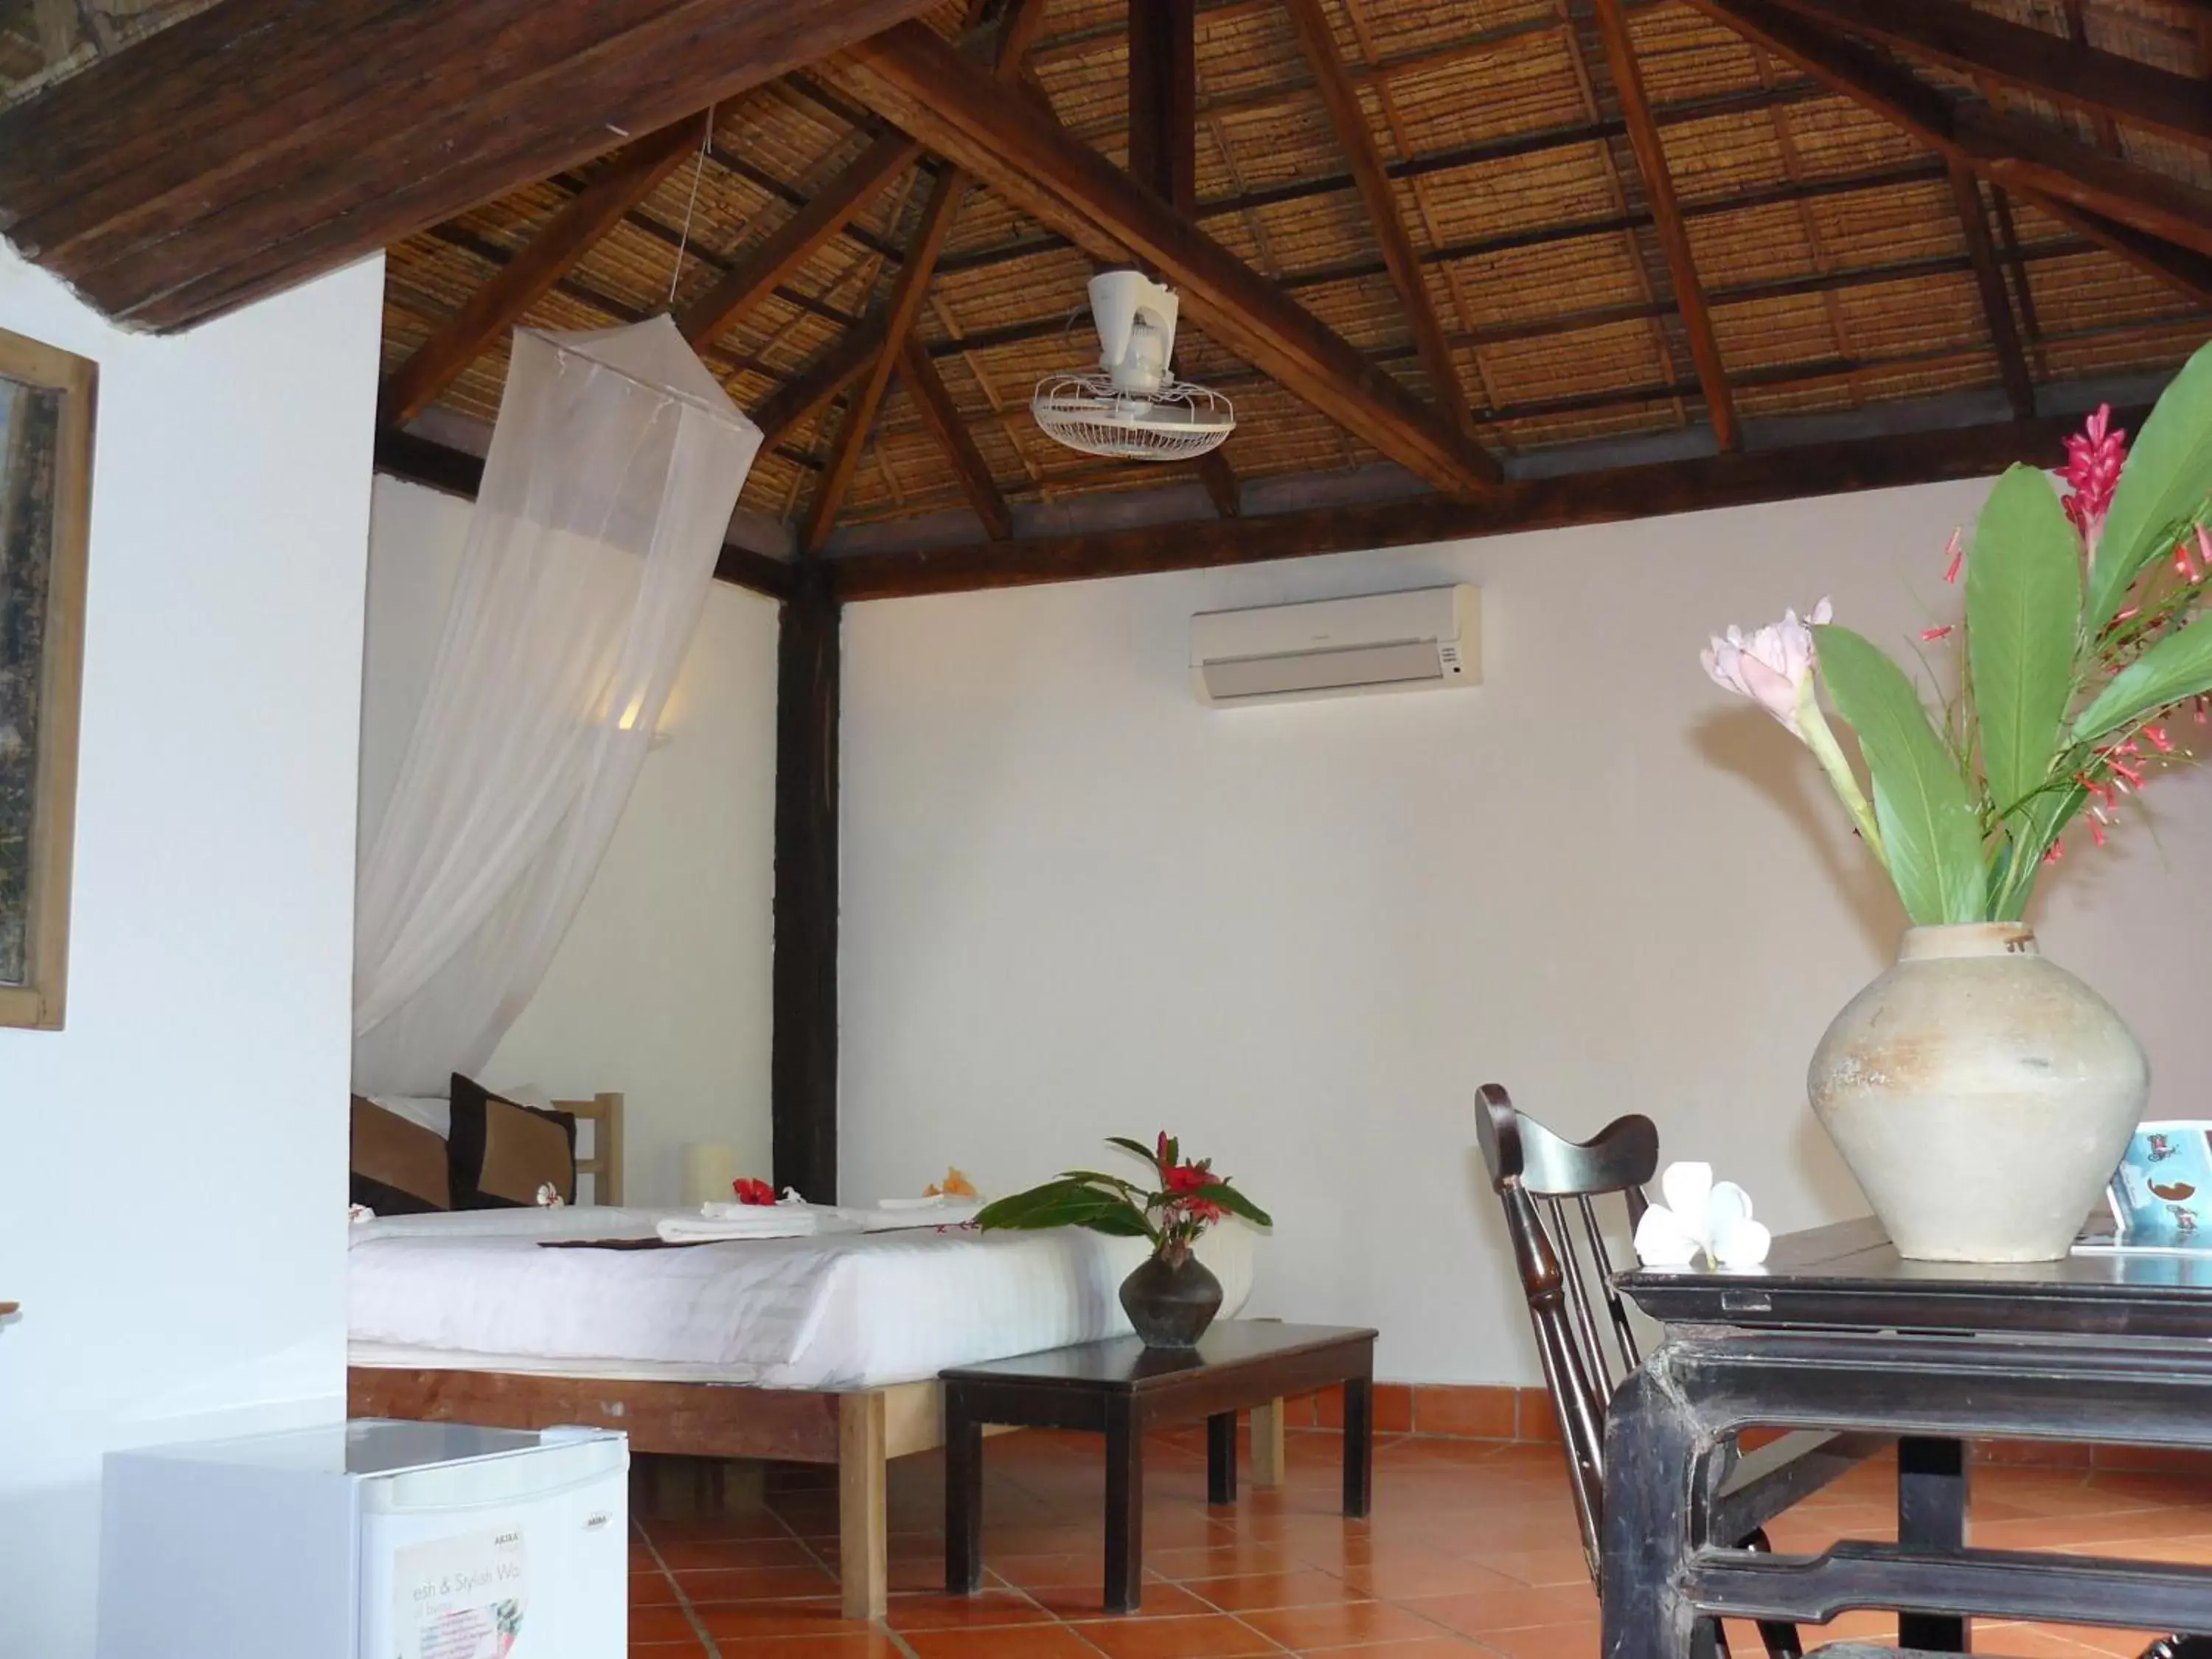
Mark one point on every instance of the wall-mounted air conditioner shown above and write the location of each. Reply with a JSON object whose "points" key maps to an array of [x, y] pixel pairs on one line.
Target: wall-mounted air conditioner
{"points": [[1410, 641]]}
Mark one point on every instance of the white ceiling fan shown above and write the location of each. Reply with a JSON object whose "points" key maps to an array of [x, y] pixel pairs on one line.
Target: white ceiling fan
{"points": [[1133, 407]]}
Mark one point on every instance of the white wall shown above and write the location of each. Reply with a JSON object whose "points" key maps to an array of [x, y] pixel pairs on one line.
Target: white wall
{"points": [[661, 988], [1078, 904], [174, 1219]]}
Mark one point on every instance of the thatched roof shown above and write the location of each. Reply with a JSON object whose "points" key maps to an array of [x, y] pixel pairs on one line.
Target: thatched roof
{"points": [[1833, 248]]}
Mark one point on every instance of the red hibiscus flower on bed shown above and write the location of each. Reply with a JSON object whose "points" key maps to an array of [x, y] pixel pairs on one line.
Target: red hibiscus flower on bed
{"points": [[749, 1191]]}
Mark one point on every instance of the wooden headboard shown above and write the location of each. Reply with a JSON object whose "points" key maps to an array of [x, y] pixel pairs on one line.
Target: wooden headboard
{"points": [[605, 1114]]}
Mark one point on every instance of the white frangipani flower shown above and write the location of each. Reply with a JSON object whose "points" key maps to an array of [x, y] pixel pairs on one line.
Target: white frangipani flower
{"points": [[1700, 1216]]}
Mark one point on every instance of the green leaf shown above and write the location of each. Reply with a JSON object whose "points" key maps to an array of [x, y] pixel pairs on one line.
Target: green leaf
{"points": [[2177, 666], [2047, 818], [1928, 827], [1236, 1203], [1137, 1147], [2165, 482], [2023, 614], [1062, 1203]]}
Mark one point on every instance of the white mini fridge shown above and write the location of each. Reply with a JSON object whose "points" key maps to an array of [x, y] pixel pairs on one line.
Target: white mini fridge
{"points": [[368, 1540]]}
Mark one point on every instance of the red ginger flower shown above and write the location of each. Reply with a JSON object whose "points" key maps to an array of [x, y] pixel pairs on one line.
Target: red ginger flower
{"points": [[749, 1191], [2093, 459], [1188, 1178]]}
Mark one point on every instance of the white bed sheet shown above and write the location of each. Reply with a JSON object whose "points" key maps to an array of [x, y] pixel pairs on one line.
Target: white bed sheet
{"points": [[474, 1291]]}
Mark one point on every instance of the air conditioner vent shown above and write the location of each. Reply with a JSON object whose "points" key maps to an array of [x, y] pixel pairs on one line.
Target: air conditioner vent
{"points": [[1419, 640]]}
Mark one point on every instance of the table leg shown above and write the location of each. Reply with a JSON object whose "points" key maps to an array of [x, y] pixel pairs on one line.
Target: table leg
{"points": [[1221, 1458], [1359, 1445], [1125, 1508], [1267, 1444], [964, 1498], [1652, 1457], [1931, 1516]]}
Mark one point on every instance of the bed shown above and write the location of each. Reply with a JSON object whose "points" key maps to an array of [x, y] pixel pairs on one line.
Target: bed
{"points": [[821, 1350]]}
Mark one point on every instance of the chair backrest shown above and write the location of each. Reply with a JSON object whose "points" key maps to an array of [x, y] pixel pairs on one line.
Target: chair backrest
{"points": [[1548, 1187]]}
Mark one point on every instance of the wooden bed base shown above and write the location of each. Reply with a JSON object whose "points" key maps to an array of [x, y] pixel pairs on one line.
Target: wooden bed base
{"points": [[857, 1432]]}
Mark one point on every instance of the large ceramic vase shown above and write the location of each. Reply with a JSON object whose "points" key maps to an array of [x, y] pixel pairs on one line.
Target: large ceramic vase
{"points": [[1981, 1094], [1170, 1303]]}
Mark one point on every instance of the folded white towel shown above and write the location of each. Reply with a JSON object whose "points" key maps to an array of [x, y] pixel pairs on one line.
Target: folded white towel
{"points": [[792, 1218]]}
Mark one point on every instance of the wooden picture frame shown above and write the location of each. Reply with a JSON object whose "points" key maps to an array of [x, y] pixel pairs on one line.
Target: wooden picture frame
{"points": [[47, 417]]}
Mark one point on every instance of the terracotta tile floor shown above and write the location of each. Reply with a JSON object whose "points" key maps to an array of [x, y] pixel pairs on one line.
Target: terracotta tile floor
{"points": [[1471, 1551]]}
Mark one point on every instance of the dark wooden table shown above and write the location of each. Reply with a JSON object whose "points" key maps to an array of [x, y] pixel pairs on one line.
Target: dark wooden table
{"points": [[1120, 1389], [1839, 1331]]}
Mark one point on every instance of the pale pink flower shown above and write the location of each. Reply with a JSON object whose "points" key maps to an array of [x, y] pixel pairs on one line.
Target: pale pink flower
{"points": [[1771, 667]]}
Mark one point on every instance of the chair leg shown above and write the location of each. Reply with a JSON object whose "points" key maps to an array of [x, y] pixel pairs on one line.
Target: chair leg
{"points": [[1781, 1640]]}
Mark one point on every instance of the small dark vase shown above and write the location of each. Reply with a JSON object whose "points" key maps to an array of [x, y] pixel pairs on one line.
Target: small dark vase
{"points": [[1171, 1303]]}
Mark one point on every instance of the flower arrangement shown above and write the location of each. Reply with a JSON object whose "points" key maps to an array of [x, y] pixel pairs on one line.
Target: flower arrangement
{"points": [[1190, 1198], [2080, 646]]}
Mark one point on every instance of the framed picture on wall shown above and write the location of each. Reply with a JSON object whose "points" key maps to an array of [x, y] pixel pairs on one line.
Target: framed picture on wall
{"points": [[46, 510]]}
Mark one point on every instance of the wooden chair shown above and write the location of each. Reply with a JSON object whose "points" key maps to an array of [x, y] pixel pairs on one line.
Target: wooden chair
{"points": [[1550, 1188]]}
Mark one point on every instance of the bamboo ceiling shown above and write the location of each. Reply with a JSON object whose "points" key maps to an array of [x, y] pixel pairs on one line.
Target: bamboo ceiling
{"points": [[1834, 250]]}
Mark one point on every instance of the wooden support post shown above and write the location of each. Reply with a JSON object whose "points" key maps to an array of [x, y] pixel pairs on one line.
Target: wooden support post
{"points": [[803, 1053], [1267, 1464], [863, 1566], [1163, 152]]}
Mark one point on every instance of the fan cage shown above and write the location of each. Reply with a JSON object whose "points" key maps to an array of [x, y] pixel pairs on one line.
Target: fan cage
{"points": [[1088, 412]]}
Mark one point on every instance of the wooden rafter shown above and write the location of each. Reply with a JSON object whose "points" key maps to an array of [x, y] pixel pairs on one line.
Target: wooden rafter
{"points": [[1630, 492], [1543, 141], [779, 255], [485, 317], [919, 83], [1667, 220], [829, 373], [1164, 152], [262, 142], [2020, 153], [2073, 75], [866, 398], [903, 310], [1347, 119], [2185, 270], [939, 415], [1988, 282]]}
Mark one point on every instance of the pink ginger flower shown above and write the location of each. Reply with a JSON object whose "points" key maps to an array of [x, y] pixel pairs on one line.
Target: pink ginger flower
{"points": [[1955, 550], [1770, 667], [2186, 562], [2093, 459]]}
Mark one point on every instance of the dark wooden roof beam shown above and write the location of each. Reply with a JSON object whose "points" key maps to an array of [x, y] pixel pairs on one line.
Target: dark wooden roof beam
{"points": [[920, 83], [1667, 220], [762, 269], [2017, 152], [934, 405], [260, 143], [903, 309], [1163, 53], [1729, 479], [1347, 119], [1989, 283], [630, 176], [2050, 66], [1544, 140]]}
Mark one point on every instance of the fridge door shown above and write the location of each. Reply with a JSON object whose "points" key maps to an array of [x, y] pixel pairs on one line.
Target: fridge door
{"points": [[522, 1556]]}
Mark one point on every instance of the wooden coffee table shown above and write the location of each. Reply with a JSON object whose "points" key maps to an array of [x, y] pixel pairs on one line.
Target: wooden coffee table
{"points": [[1120, 1389]]}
